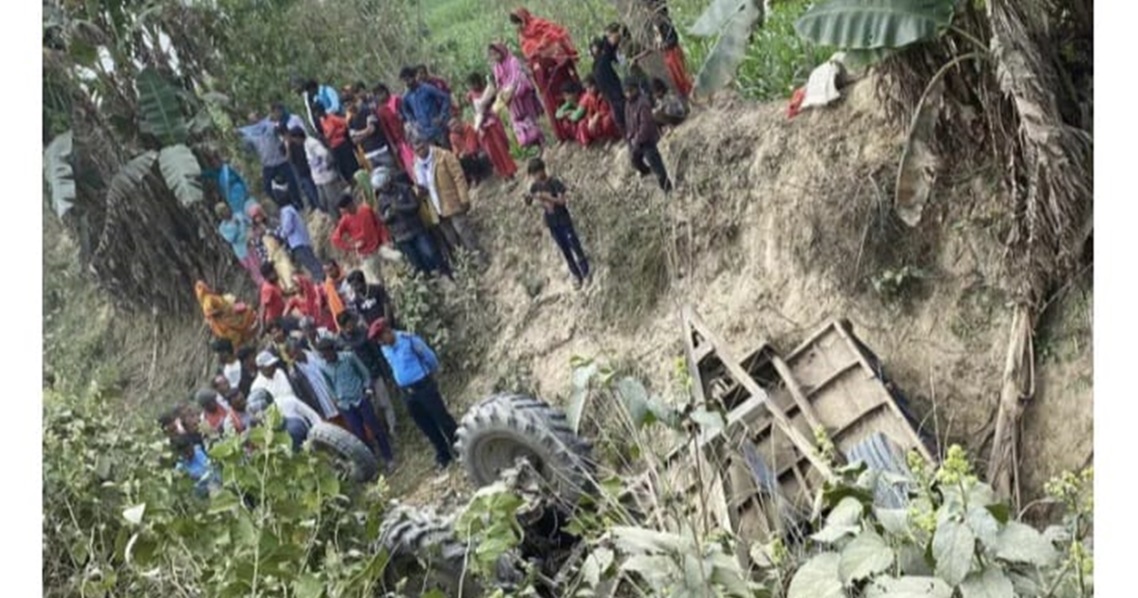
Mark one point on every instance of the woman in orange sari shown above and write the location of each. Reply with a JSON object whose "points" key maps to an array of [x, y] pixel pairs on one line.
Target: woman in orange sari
{"points": [[227, 317], [549, 52]]}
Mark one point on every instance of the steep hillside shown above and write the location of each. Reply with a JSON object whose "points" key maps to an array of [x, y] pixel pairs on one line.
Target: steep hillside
{"points": [[776, 226]]}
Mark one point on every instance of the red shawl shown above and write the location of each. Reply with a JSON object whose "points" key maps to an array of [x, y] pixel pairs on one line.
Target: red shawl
{"points": [[542, 37]]}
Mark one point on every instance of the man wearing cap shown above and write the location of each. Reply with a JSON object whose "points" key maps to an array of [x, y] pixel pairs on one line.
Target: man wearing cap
{"points": [[349, 381], [413, 365], [273, 380]]}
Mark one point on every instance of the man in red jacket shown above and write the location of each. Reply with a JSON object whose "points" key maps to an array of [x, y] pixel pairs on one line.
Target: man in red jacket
{"points": [[360, 232]]}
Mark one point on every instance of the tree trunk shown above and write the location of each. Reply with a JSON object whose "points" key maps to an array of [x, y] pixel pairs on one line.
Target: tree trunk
{"points": [[1050, 183]]}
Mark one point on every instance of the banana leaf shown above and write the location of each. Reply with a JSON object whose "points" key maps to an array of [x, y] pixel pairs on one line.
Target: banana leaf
{"points": [[724, 59], [57, 170], [870, 24], [160, 113], [182, 173]]}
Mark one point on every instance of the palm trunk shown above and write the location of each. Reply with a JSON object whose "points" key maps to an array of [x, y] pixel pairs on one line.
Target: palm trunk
{"points": [[1050, 184]]}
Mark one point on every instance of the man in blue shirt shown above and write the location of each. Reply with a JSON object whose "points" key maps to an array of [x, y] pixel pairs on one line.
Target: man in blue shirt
{"points": [[413, 365], [350, 382], [260, 137], [295, 233], [193, 462], [234, 228], [427, 107]]}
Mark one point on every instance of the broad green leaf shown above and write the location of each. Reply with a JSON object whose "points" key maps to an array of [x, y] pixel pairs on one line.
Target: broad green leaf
{"points": [[989, 583], [1021, 543], [638, 540], [717, 15], [1057, 534], [895, 521], [134, 514], [953, 548], [308, 586], [818, 578], [719, 67], [635, 398], [125, 183], [651, 567], [242, 529], [847, 512], [983, 525], [907, 587], [866, 555], [1001, 512], [833, 533], [582, 376], [869, 24], [159, 111], [911, 560], [57, 170], [223, 501], [598, 561]]}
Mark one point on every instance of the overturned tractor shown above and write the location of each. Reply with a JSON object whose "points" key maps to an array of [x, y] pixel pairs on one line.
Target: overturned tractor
{"points": [[761, 471]]}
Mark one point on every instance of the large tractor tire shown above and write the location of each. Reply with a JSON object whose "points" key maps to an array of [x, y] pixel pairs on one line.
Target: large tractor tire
{"points": [[424, 554], [498, 431], [351, 455]]}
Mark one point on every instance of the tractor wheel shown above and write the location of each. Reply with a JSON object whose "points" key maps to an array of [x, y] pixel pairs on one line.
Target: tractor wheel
{"points": [[424, 555], [505, 427], [348, 453]]}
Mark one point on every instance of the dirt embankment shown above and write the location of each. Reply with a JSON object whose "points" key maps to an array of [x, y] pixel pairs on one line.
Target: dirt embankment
{"points": [[775, 227]]}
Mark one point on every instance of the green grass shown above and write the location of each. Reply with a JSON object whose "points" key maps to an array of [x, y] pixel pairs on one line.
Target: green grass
{"points": [[458, 32]]}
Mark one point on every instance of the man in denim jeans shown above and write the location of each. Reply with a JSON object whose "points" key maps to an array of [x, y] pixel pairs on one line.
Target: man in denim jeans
{"points": [[413, 365], [350, 383]]}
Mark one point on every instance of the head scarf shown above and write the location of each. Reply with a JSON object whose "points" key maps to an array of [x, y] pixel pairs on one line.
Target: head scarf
{"points": [[539, 36]]}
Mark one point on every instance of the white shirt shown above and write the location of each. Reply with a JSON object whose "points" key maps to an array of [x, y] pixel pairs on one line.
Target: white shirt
{"points": [[232, 373], [284, 398], [320, 161], [424, 169]]}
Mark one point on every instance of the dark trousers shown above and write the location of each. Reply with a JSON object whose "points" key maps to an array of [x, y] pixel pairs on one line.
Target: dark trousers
{"points": [[426, 407], [423, 255], [362, 415], [306, 257], [346, 161], [616, 100], [297, 430], [646, 158], [566, 237], [308, 187], [284, 168]]}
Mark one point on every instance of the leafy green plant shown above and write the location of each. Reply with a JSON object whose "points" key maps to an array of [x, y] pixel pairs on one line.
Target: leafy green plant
{"points": [[732, 22], [954, 536], [489, 523], [118, 520], [59, 174]]}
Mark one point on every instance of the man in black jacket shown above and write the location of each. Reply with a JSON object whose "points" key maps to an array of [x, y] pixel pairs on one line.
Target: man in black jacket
{"points": [[642, 135]]}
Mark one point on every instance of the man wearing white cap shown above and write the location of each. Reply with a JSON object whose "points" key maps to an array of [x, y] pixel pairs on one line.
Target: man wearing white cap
{"points": [[273, 380]]}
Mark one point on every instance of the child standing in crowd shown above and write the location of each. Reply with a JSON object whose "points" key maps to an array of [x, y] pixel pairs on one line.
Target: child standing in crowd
{"points": [[642, 135], [551, 193]]}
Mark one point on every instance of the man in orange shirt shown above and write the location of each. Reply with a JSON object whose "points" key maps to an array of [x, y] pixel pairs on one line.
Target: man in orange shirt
{"points": [[361, 232]]}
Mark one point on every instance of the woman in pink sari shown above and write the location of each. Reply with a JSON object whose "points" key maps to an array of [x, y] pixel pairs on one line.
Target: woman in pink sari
{"points": [[516, 91]]}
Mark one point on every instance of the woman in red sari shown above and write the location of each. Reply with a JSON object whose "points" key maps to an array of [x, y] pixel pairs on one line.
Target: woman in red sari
{"points": [[548, 50], [491, 132]]}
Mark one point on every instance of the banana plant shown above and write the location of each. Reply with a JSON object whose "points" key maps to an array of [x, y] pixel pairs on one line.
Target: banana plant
{"points": [[732, 21], [868, 30]]}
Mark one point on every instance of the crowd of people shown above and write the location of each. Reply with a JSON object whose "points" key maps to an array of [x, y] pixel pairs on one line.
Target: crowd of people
{"points": [[394, 172]]}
